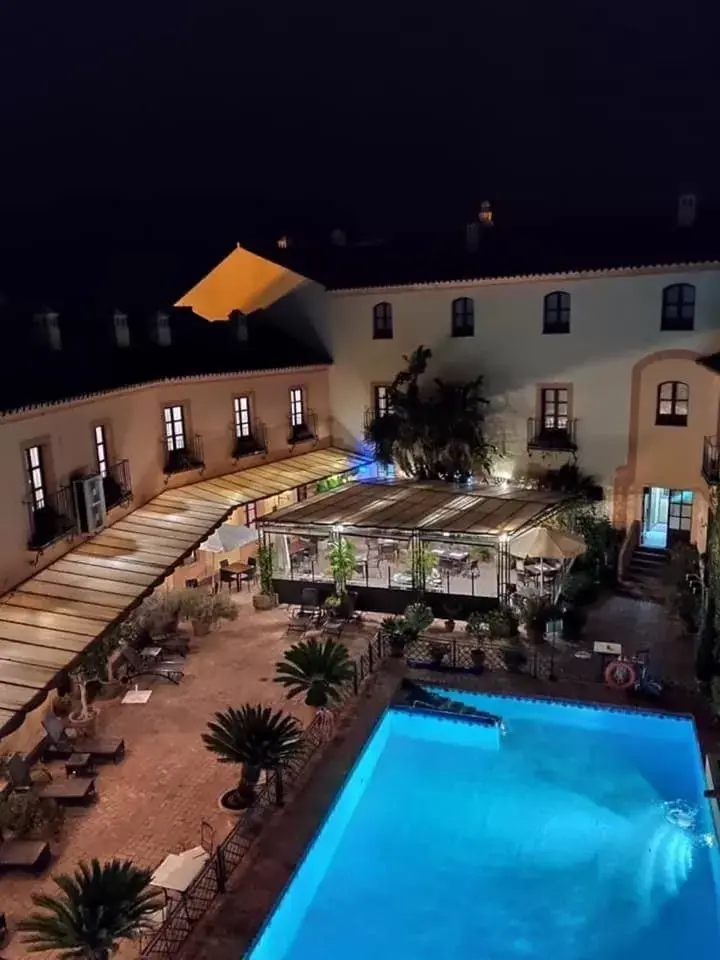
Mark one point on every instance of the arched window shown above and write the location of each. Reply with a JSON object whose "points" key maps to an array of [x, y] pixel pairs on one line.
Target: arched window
{"points": [[463, 317], [382, 321], [678, 307], [556, 312], [673, 398]]}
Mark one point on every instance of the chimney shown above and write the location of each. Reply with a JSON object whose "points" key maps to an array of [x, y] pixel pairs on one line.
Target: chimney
{"points": [[686, 209], [486, 214], [121, 329], [47, 324], [160, 329], [240, 325]]}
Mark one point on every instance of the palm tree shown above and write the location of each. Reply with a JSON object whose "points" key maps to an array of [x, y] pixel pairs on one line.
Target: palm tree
{"points": [[99, 905], [432, 434], [316, 669], [258, 739]]}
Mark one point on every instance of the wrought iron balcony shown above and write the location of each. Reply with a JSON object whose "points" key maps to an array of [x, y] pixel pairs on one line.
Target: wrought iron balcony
{"points": [[53, 520], [116, 485], [304, 431], [542, 437], [189, 457], [254, 443], [711, 460]]}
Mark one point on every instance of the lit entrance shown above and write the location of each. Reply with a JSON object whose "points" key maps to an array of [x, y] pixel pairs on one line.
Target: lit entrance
{"points": [[667, 517]]}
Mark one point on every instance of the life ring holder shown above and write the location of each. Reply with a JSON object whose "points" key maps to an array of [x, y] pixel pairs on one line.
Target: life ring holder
{"points": [[620, 675]]}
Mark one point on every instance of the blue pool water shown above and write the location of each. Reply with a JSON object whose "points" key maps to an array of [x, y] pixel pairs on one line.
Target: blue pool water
{"points": [[450, 841]]}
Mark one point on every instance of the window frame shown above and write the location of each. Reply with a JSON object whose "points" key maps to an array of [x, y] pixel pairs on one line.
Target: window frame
{"points": [[683, 307], [552, 420], [172, 433], [557, 306], [242, 417], [35, 476], [382, 320], [463, 317], [102, 458], [674, 417], [297, 405]]}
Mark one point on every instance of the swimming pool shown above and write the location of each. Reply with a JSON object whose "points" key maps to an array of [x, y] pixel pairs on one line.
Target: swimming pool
{"points": [[451, 841]]}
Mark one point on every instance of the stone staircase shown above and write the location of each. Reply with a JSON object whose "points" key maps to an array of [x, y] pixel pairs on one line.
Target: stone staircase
{"points": [[644, 577]]}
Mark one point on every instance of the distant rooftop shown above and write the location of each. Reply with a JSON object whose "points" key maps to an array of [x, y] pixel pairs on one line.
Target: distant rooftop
{"points": [[567, 246]]}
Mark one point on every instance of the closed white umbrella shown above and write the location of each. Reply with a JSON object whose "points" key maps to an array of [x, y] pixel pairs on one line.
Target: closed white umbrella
{"points": [[548, 544]]}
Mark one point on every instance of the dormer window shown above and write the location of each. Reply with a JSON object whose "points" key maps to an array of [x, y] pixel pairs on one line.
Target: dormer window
{"points": [[121, 328]]}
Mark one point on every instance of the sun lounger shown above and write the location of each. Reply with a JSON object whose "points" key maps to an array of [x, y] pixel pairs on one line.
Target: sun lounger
{"points": [[62, 747], [69, 792], [24, 855], [137, 666]]}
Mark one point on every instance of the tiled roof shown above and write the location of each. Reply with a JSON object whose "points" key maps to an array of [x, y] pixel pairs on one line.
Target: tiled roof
{"points": [[90, 361]]}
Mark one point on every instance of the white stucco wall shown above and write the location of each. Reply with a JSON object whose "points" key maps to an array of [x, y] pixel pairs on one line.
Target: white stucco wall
{"points": [[615, 321]]}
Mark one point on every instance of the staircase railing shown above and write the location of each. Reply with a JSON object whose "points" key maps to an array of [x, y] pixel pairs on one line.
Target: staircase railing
{"points": [[631, 541]]}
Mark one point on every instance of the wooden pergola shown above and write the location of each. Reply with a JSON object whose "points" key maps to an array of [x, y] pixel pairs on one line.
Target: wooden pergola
{"points": [[421, 512], [48, 621]]}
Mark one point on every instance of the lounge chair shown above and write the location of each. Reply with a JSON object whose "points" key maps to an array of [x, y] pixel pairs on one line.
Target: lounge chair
{"points": [[24, 855], [68, 792], [306, 613], [62, 747], [137, 666]]}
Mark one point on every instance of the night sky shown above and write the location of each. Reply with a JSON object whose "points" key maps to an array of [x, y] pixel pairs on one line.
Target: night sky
{"points": [[174, 118]]}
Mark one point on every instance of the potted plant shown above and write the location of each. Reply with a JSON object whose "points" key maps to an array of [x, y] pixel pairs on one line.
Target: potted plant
{"points": [[438, 652], [161, 612], [266, 599], [514, 657], [205, 609], [395, 632], [502, 623], [477, 628], [333, 605], [258, 739], [97, 908], [452, 610], [342, 557], [535, 613], [84, 718], [317, 669], [27, 816], [418, 617]]}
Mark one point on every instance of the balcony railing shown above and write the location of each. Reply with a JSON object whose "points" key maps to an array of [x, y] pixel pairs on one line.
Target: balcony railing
{"points": [[116, 485], [52, 521], [711, 460], [255, 443], [302, 432], [542, 437], [189, 457]]}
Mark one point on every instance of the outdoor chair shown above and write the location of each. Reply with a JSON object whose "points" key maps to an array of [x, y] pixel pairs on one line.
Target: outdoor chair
{"points": [[24, 855], [168, 669], [69, 792], [61, 747], [301, 619]]}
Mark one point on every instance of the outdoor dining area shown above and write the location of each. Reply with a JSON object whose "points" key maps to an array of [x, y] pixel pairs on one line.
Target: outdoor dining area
{"points": [[469, 546]]}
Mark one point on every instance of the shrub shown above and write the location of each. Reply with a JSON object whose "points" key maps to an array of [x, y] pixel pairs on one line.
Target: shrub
{"points": [[418, 617]]}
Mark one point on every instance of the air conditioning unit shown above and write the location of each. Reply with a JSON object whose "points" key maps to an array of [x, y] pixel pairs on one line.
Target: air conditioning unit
{"points": [[90, 503]]}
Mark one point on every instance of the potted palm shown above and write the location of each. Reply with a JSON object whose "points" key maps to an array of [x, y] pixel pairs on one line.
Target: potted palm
{"points": [[342, 557], [502, 623], [317, 669], [395, 632], [84, 717], [535, 614], [266, 599], [477, 628], [97, 908], [256, 738], [418, 617]]}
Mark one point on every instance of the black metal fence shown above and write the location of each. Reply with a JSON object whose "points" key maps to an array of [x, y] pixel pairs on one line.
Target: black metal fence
{"points": [[181, 916]]}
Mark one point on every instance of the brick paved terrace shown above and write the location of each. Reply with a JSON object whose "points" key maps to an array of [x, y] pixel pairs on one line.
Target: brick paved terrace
{"points": [[152, 803]]}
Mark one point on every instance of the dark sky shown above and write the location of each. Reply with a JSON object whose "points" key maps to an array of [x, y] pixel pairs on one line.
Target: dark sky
{"points": [[217, 115]]}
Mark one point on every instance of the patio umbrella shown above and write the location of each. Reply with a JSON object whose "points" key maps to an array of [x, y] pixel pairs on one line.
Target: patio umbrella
{"points": [[548, 544], [228, 537]]}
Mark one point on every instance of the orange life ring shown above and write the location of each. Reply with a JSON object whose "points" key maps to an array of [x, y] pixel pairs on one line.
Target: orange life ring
{"points": [[620, 674]]}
